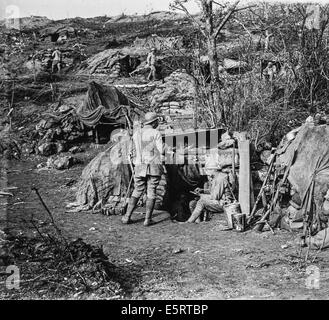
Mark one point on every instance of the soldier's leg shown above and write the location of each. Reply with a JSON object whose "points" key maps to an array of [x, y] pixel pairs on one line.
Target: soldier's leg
{"points": [[213, 206], [199, 208], [139, 187], [192, 206], [153, 70], [150, 74], [152, 183]]}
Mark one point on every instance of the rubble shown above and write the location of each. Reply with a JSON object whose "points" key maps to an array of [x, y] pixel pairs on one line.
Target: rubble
{"points": [[76, 149], [57, 133], [62, 162], [9, 147], [47, 149], [160, 43]]}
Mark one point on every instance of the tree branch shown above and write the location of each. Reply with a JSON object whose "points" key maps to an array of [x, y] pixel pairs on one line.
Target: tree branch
{"points": [[177, 4], [215, 2], [244, 8], [226, 18], [243, 26]]}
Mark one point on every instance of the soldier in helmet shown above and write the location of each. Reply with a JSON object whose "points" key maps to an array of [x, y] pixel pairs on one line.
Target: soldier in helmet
{"points": [[57, 60], [147, 149], [214, 198]]}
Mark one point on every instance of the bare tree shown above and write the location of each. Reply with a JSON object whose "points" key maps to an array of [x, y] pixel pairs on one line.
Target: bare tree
{"points": [[214, 16]]}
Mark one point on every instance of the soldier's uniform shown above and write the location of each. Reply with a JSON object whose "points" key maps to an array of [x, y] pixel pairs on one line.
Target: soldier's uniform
{"points": [[57, 60], [151, 63], [147, 155], [147, 151], [219, 195]]}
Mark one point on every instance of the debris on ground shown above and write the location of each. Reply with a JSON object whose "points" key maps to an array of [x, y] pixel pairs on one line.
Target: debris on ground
{"points": [[61, 269], [62, 162], [177, 250], [9, 147]]}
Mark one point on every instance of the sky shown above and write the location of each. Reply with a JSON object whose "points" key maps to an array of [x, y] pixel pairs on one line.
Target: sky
{"points": [[58, 9]]}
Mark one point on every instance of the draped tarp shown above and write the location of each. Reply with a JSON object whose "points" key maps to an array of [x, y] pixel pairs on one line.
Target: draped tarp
{"points": [[106, 104], [309, 174], [108, 174], [312, 160]]}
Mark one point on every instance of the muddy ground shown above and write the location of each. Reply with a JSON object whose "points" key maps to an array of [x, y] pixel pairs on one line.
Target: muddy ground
{"points": [[168, 260]]}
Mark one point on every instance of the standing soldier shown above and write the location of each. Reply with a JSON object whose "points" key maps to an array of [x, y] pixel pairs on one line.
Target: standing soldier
{"points": [[57, 59], [151, 61], [147, 148]]}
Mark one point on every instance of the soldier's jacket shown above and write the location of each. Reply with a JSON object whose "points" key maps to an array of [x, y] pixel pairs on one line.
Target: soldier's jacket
{"points": [[220, 187], [146, 151]]}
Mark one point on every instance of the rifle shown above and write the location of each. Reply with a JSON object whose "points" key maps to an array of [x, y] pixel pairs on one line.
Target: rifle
{"points": [[259, 196], [308, 212], [260, 224]]}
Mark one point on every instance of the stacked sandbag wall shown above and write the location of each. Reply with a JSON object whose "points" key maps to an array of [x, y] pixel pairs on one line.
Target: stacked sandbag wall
{"points": [[175, 95]]}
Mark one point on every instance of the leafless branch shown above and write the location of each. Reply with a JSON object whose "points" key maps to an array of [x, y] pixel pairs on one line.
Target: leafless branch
{"points": [[178, 5], [243, 26], [231, 10]]}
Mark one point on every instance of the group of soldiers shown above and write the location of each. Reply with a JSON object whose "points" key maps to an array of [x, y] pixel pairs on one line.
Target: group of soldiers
{"points": [[147, 150]]}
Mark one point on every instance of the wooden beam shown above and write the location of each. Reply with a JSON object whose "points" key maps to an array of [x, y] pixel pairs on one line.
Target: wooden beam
{"points": [[244, 177]]}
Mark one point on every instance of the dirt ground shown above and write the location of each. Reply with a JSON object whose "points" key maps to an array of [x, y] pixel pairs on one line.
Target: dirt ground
{"points": [[169, 260]]}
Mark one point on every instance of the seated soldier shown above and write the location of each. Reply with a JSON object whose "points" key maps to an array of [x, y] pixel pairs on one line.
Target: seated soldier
{"points": [[213, 199]]}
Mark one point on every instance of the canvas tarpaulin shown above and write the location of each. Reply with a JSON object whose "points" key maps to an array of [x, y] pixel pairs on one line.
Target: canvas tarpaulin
{"points": [[108, 174], [309, 175], [108, 104], [312, 160]]}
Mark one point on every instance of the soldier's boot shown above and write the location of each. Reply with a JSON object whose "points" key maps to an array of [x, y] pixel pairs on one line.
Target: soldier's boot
{"points": [[131, 206], [150, 203]]}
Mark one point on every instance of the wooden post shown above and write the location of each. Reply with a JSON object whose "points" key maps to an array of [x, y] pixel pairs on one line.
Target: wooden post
{"points": [[244, 176], [252, 194]]}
